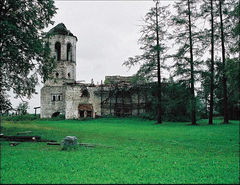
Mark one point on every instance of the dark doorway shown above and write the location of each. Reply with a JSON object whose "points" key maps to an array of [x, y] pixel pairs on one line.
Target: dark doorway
{"points": [[81, 113], [55, 114]]}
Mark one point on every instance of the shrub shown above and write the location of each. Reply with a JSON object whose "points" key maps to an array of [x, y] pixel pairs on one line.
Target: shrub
{"points": [[26, 117]]}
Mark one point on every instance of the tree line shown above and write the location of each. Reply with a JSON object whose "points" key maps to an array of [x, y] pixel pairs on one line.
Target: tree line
{"points": [[205, 35]]}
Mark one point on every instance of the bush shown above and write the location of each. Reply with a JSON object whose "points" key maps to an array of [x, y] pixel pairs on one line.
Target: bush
{"points": [[148, 116], [26, 117]]}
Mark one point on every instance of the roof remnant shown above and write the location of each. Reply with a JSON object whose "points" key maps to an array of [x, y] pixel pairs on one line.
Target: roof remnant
{"points": [[60, 29]]}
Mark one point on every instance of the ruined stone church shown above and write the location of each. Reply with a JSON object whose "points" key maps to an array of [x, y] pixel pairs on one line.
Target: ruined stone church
{"points": [[63, 94]]}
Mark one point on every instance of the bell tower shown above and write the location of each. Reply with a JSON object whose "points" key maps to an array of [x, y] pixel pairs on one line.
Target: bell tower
{"points": [[63, 49], [53, 93]]}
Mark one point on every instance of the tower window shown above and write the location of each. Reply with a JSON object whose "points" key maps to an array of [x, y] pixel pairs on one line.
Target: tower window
{"points": [[69, 52], [57, 75], [57, 97], [58, 50], [69, 75]]}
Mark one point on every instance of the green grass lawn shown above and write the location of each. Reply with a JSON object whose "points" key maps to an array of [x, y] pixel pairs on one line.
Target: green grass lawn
{"points": [[143, 152]]}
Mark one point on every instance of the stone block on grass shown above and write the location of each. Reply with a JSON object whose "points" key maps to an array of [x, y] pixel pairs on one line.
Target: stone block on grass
{"points": [[69, 142]]}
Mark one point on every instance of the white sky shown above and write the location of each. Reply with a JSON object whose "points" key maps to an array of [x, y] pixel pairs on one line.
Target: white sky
{"points": [[107, 33]]}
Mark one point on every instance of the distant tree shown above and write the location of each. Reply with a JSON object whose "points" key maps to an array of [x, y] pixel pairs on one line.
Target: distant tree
{"points": [[23, 53], [232, 69], [22, 108], [233, 85], [204, 91], [152, 40], [176, 101]]}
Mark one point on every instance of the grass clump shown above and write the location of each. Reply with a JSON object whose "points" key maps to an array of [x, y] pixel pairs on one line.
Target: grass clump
{"points": [[143, 152]]}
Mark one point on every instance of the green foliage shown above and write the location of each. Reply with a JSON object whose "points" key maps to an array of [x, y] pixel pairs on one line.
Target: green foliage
{"points": [[149, 115], [233, 76], [22, 108], [5, 104], [106, 82], [146, 153], [24, 52], [16, 118], [176, 102], [58, 118], [153, 44]]}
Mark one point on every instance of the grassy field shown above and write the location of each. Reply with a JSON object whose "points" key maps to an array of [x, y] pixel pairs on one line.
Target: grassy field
{"points": [[142, 152]]}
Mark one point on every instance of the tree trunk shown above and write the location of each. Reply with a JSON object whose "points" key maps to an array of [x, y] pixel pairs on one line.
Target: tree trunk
{"points": [[224, 70], [212, 68], [159, 71], [192, 69]]}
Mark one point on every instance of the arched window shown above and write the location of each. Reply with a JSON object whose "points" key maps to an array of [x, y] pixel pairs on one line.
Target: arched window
{"points": [[58, 50], [69, 75], [57, 75], [69, 52]]}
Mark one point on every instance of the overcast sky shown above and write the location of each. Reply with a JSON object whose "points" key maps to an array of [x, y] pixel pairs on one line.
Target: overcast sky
{"points": [[107, 33]]}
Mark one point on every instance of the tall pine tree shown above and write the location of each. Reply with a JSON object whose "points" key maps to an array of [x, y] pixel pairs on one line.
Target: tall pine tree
{"points": [[152, 40], [186, 37]]}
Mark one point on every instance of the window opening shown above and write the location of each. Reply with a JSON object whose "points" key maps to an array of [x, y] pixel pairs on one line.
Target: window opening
{"points": [[53, 98], [58, 51], [81, 113], [89, 113], [57, 75], [85, 93], [69, 75], [69, 52]]}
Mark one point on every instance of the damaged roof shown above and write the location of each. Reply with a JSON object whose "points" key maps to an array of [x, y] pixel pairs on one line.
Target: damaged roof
{"points": [[60, 29]]}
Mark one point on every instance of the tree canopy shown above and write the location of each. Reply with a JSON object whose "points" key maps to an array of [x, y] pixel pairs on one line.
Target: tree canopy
{"points": [[23, 52]]}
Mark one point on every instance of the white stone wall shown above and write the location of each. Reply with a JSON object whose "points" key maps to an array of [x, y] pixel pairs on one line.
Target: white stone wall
{"points": [[73, 99], [48, 106]]}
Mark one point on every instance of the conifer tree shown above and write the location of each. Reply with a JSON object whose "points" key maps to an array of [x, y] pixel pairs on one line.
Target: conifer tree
{"points": [[152, 40], [207, 10], [186, 37]]}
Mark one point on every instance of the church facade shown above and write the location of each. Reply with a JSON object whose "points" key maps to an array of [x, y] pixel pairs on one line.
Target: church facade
{"points": [[62, 94]]}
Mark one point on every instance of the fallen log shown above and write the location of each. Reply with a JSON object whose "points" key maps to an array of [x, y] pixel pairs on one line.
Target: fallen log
{"points": [[46, 140], [53, 143], [22, 138]]}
